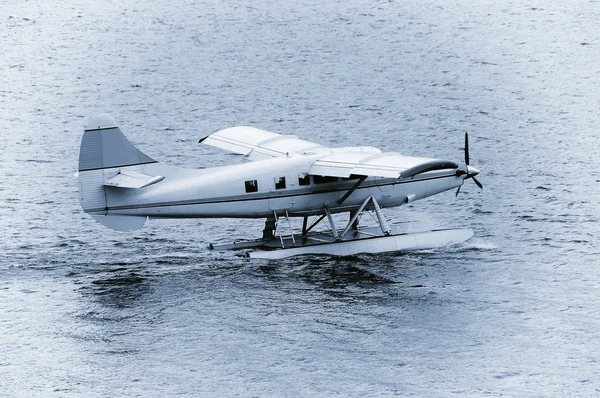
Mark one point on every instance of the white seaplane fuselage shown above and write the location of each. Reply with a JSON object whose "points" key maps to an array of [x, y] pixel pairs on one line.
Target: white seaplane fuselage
{"points": [[221, 192]]}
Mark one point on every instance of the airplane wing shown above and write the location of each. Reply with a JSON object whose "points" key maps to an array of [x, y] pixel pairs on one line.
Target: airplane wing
{"points": [[382, 164], [257, 144]]}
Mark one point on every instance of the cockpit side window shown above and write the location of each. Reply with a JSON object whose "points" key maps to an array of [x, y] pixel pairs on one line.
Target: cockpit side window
{"points": [[251, 186], [303, 180], [324, 179], [279, 182]]}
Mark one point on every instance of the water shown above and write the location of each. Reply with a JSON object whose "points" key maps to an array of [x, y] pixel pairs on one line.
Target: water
{"points": [[86, 311]]}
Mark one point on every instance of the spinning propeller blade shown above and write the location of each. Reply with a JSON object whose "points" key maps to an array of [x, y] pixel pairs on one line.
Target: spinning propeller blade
{"points": [[471, 171], [467, 148]]}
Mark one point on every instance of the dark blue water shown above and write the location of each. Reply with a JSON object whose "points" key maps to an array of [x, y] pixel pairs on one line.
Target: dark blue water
{"points": [[86, 311]]}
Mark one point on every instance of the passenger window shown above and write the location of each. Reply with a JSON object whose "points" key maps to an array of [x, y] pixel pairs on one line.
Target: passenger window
{"points": [[252, 186], [324, 179], [304, 180], [279, 182]]}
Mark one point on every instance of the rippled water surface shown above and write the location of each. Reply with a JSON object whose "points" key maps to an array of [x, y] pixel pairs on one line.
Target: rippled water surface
{"points": [[86, 311]]}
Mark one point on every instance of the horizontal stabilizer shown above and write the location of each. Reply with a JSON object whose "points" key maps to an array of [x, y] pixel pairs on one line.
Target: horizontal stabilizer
{"points": [[132, 179], [122, 223]]}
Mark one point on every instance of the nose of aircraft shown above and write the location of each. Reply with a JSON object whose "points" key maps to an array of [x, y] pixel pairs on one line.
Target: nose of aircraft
{"points": [[472, 171]]}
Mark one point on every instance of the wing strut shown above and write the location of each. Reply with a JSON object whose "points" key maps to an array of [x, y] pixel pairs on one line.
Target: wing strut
{"points": [[347, 194]]}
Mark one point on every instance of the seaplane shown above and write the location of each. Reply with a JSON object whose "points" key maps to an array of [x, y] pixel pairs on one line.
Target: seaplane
{"points": [[283, 178]]}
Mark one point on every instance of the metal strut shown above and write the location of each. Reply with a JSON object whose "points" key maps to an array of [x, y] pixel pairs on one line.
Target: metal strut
{"points": [[314, 224], [356, 215], [347, 194], [383, 224], [333, 228], [385, 227]]}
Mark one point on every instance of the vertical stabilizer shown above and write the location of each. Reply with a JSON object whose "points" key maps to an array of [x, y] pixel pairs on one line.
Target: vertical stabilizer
{"points": [[104, 146]]}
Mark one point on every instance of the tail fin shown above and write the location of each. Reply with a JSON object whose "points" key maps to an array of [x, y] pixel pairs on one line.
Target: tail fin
{"points": [[103, 147]]}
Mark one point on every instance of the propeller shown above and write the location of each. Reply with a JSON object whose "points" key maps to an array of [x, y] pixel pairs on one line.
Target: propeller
{"points": [[473, 171]]}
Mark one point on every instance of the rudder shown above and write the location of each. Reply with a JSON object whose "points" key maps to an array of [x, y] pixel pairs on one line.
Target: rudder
{"points": [[104, 146]]}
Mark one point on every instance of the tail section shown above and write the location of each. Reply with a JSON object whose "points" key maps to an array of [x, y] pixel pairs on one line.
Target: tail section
{"points": [[104, 146], [104, 152]]}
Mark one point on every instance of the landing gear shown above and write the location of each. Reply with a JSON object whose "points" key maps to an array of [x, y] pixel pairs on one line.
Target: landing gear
{"points": [[280, 242], [280, 235]]}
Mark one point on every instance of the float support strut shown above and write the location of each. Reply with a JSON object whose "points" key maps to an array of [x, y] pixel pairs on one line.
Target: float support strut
{"points": [[314, 224], [357, 214], [385, 227], [333, 229]]}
